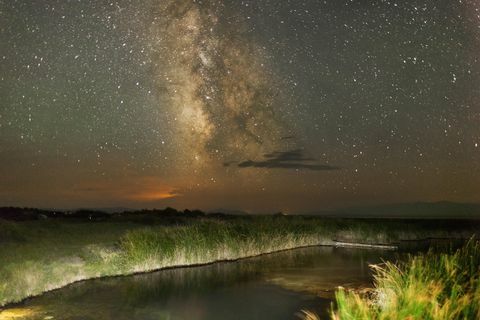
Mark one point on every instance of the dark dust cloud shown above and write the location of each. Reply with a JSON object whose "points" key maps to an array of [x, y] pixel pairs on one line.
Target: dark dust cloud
{"points": [[260, 106]]}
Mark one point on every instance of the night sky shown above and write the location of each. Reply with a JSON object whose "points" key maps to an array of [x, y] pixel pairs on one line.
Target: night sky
{"points": [[260, 106]]}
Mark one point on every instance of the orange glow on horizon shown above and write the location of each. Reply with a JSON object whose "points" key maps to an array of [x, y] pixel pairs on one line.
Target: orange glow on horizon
{"points": [[132, 189], [154, 195]]}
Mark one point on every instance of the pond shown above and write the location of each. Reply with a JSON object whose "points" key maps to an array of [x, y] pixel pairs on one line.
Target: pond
{"points": [[274, 286]]}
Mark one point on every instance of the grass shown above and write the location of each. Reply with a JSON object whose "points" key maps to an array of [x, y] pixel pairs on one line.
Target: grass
{"points": [[428, 286], [38, 256], [207, 241]]}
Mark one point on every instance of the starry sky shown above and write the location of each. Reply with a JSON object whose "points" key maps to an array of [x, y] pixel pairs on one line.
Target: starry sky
{"points": [[261, 106]]}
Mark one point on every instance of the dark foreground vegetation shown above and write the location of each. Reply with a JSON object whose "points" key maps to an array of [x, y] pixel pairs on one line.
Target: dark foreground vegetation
{"points": [[42, 250]]}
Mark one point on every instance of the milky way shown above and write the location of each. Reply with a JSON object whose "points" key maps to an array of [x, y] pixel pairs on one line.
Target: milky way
{"points": [[219, 89], [260, 106]]}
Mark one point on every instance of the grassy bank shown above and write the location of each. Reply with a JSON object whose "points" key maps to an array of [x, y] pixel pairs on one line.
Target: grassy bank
{"points": [[430, 286], [41, 255]]}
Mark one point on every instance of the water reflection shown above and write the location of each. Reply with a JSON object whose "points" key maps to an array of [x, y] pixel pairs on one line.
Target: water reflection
{"points": [[18, 313], [275, 286]]}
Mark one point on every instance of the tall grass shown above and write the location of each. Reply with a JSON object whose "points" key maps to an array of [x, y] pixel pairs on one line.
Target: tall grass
{"points": [[204, 242], [429, 286]]}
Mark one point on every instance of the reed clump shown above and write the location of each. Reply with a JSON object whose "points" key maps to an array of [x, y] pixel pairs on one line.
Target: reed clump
{"points": [[437, 286]]}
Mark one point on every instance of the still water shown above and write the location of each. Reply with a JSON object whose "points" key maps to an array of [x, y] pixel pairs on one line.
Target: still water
{"points": [[275, 286]]}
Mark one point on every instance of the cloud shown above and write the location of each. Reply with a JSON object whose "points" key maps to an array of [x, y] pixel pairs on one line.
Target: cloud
{"points": [[293, 159]]}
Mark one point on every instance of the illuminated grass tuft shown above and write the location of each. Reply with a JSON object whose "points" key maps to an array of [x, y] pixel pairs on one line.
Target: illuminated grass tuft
{"points": [[430, 286]]}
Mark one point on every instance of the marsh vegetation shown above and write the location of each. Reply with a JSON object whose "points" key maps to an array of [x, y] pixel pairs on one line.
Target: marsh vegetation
{"points": [[437, 286], [41, 255]]}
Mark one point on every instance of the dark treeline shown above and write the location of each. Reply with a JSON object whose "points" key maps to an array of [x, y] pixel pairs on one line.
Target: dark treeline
{"points": [[27, 214], [171, 216]]}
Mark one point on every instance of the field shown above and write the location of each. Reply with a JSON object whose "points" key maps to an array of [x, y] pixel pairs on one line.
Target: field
{"points": [[45, 254]]}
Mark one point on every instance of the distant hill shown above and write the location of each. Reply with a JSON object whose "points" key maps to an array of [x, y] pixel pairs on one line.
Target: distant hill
{"points": [[421, 210]]}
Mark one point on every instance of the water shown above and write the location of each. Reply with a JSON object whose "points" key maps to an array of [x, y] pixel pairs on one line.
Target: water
{"points": [[276, 286]]}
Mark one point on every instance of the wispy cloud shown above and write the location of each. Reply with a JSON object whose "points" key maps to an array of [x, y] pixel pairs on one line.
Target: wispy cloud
{"points": [[293, 159]]}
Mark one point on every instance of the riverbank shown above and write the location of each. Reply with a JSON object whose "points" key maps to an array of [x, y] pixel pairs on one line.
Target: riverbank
{"points": [[42, 255], [437, 286]]}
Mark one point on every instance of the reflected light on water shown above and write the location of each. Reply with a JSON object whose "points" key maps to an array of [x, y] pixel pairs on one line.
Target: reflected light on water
{"points": [[19, 313]]}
